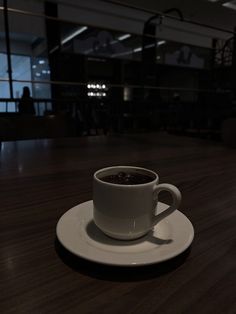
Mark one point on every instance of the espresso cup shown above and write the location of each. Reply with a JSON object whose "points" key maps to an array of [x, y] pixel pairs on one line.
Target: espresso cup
{"points": [[128, 211]]}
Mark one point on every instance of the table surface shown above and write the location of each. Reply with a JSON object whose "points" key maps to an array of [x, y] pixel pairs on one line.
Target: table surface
{"points": [[41, 179]]}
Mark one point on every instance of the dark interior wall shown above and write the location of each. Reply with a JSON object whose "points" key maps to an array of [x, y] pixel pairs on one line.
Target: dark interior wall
{"points": [[178, 77]]}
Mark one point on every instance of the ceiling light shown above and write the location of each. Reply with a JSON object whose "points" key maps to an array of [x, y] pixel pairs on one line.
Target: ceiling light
{"points": [[41, 61], [123, 37], [54, 49], [230, 5], [137, 49], [161, 42], [74, 34], [149, 46]]}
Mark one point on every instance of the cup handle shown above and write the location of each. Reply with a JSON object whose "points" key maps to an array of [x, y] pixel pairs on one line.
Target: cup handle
{"points": [[176, 197]]}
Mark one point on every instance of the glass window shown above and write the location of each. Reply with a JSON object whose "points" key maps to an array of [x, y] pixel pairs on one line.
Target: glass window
{"points": [[21, 70], [11, 107], [4, 86]]}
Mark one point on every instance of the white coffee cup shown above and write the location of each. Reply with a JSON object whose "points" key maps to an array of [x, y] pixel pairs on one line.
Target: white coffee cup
{"points": [[129, 211]]}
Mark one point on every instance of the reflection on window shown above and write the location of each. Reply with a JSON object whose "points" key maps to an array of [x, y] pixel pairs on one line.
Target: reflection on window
{"points": [[97, 90], [127, 93], [41, 72], [107, 44]]}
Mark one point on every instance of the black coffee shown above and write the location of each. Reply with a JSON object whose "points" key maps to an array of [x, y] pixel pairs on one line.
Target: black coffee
{"points": [[127, 178]]}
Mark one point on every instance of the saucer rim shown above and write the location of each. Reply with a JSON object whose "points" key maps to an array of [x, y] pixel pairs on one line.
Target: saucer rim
{"points": [[124, 264]]}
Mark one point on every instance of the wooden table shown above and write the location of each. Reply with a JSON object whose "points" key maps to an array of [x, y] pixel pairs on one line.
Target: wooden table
{"points": [[42, 179]]}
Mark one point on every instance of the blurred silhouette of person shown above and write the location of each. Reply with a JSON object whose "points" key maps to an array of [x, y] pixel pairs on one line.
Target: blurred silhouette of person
{"points": [[26, 104]]}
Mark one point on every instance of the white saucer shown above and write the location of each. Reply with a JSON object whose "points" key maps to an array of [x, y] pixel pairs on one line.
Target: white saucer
{"points": [[78, 234]]}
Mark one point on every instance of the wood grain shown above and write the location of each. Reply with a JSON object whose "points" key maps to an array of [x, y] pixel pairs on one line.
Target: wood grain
{"points": [[42, 179]]}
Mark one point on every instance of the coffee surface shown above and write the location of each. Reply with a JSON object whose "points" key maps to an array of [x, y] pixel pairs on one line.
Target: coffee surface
{"points": [[127, 178]]}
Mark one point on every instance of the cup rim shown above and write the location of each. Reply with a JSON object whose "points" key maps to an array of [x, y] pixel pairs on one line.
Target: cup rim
{"points": [[156, 179]]}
